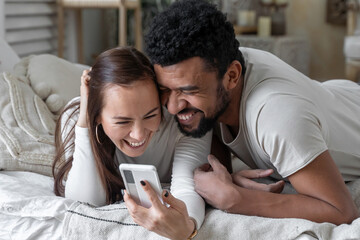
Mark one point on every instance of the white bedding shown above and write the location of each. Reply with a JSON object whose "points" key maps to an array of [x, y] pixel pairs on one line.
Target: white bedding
{"points": [[29, 210], [28, 207]]}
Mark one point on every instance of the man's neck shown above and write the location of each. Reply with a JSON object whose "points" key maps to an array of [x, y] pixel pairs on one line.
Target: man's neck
{"points": [[231, 116]]}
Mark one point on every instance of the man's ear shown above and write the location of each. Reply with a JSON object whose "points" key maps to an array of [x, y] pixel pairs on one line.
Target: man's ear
{"points": [[232, 76]]}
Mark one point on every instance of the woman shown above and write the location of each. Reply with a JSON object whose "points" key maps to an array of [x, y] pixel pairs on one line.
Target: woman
{"points": [[119, 119]]}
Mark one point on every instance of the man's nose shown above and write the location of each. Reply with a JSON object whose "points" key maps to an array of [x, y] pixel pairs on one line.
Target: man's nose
{"points": [[175, 103]]}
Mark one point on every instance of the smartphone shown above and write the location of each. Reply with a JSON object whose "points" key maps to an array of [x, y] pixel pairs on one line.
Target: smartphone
{"points": [[132, 174]]}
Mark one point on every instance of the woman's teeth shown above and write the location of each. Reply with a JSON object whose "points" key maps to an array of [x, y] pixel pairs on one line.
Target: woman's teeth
{"points": [[137, 144]]}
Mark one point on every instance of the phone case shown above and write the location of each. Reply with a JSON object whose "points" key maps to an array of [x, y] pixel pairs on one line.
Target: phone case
{"points": [[132, 174]]}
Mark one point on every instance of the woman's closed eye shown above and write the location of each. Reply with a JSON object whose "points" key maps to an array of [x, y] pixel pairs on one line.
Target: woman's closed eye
{"points": [[122, 122], [150, 116], [127, 122]]}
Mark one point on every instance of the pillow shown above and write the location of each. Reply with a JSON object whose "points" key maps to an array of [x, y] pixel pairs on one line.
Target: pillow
{"points": [[53, 79], [26, 128]]}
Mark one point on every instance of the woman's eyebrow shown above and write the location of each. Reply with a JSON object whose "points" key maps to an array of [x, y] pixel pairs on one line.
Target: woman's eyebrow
{"points": [[152, 110], [127, 118]]}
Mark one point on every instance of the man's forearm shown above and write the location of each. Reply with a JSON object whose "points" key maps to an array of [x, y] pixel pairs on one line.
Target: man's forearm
{"points": [[267, 204]]}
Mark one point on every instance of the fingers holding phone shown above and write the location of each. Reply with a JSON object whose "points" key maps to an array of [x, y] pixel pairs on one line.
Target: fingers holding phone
{"points": [[140, 214], [170, 221], [156, 210], [151, 194], [149, 217], [135, 177]]}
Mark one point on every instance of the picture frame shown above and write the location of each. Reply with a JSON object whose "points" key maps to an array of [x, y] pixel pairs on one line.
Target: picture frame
{"points": [[336, 12]]}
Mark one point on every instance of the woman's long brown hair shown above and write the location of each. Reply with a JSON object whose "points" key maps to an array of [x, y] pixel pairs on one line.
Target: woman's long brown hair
{"points": [[122, 66]]}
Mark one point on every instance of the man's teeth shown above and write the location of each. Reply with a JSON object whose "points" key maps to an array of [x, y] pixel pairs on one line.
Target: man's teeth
{"points": [[185, 117], [137, 144]]}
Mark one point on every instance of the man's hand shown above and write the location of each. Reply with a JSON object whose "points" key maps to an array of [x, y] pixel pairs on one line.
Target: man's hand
{"points": [[214, 183], [243, 179]]}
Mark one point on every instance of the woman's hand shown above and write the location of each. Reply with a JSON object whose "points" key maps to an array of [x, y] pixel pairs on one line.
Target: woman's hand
{"points": [[84, 92], [172, 222]]}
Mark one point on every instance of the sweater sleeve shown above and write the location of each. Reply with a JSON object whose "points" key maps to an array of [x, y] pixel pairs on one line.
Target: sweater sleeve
{"points": [[190, 153], [83, 181]]}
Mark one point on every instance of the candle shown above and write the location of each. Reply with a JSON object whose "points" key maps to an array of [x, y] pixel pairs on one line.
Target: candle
{"points": [[252, 18], [264, 26], [246, 18], [242, 19]]}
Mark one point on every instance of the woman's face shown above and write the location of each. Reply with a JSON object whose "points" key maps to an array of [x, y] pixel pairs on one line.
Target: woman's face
{"points": [[131, 115]]}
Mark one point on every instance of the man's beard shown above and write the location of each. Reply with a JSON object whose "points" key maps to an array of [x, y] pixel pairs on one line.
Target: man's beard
{"points": [[206, 124]]}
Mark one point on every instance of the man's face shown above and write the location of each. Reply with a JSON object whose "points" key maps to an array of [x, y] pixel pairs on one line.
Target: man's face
{"points": [[195, 96]]}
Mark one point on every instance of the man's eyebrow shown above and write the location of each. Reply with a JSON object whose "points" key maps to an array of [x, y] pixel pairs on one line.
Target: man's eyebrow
{"points": [[184, 88], [189, 88], [127, 118]]}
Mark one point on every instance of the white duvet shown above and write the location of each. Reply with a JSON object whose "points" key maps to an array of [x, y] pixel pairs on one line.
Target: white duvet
{"points": [[30, 210], [28, 207]]}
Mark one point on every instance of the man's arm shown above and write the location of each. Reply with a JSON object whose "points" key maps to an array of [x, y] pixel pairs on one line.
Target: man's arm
{"points": [[322, 194]]}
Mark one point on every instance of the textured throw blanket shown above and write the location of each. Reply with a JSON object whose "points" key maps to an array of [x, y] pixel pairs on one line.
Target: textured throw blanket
{"points": [[83, 221]]}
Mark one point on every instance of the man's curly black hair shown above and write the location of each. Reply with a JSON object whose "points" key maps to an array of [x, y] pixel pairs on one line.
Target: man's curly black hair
{"points": [[193, 28]]}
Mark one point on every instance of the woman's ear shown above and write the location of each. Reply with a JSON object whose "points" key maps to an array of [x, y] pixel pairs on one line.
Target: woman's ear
{"points": [[232, 75], [98, 120]]}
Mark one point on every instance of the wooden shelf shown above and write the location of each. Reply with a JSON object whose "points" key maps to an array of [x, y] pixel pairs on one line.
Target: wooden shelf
{"points": [[244, 29]]}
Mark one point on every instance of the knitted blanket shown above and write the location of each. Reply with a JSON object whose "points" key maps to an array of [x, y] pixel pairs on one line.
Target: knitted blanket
{"points": [[83, 221]]}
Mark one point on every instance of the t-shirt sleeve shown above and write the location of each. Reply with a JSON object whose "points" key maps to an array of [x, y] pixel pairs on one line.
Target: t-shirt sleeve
{"points": [[291, 132], [190, 153], [83, 181]]}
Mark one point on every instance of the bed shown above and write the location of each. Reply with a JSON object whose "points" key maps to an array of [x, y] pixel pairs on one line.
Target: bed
{"points": [[31, 96]]}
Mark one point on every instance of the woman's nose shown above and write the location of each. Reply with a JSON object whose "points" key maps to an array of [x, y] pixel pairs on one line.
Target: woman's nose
{"points": [[138, 132]]}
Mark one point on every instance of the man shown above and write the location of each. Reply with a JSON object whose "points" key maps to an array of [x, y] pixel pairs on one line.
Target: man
{"points": [[268, 114]]}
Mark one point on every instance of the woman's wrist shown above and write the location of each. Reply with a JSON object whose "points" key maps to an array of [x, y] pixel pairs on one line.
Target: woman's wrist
{"points": [[81, 122], [193, 229]]}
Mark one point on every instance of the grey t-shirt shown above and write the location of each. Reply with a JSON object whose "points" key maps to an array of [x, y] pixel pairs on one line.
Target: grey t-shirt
{"points": [[286, 119]]}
